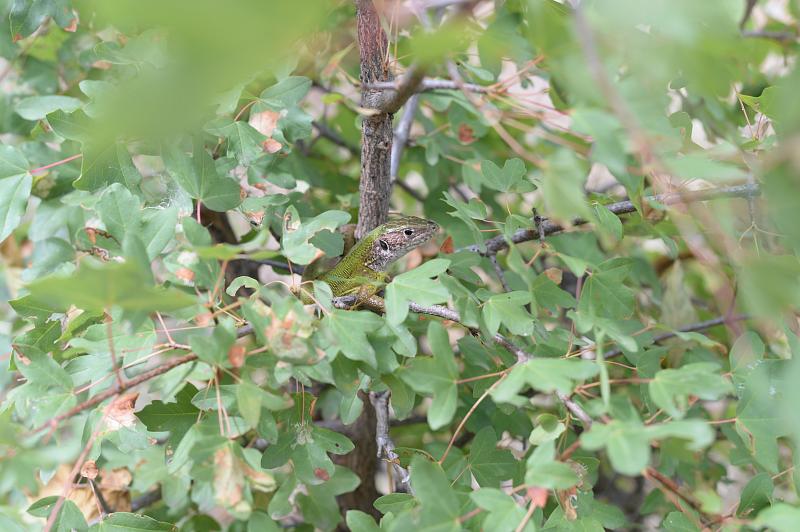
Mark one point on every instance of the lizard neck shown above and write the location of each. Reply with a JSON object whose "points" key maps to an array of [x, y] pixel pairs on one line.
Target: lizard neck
{"points": [[361, 256]]}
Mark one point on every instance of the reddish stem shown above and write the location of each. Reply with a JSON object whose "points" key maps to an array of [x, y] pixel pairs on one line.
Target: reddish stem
{"points": [[57, 163]]}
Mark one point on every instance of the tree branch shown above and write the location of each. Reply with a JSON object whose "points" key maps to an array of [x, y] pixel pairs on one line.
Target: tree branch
{"points": [[380, 402], [670, 484], [748, 10], [431, 84], [547, 227], [281, 265], [127, 385], [376, 130], [331, 135], [780, 36], [148, 499], [695, 327], [408, 85], [576, 409], [401, 134]]}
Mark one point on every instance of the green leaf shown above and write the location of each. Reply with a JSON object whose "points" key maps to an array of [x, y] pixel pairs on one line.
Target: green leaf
{"points": [[158, 229], [38, 107], [286, 93], [545, 472], [12, 162], [244, 142], [678, 522], [296, 237], [627, 445], [759, 419], [628, 442], [608, 222], [547, 294], [781, 517], [242, 281], [15, 188], [504, 512], [440, 507], [176, 417], [671, 388], [503, 179], [756, 495], [358, 521], [415, 285], [261, 522], [436, 375], [72, 126], [702, 166], [548, 428], [696, 431], [26, 16], [42, 371], [119, 210], [127, 522], [746, 353], [562, 188], [332, 244], [546, 375], [767, 283], [603, 293], [213, 348], [106, 163], [69, 517], [349, 329], [199, 178], [103, 286], [394, 502], [488, 464], [509, 309], [466, 212]]}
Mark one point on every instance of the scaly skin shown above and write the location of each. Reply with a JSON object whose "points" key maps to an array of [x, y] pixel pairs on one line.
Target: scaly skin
{"points": [[363, 270]]}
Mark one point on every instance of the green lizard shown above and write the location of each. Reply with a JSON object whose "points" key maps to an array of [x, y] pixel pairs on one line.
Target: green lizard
{"points": [[362, 272]]}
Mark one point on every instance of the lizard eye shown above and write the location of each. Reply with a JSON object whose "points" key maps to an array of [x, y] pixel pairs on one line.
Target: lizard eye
{"points": [[408, 232], [384, 244]]}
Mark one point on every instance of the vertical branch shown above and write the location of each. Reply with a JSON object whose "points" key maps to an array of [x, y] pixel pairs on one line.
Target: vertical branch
{"points": [[375, 190], [376, 128], [402, 133], [400, 478]]}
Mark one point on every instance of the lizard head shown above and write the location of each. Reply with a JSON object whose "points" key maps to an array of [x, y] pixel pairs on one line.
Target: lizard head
{"points": [[397, 237]]}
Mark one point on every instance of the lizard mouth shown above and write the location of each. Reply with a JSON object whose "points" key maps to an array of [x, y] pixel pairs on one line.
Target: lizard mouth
{"points": [[425, 235]]}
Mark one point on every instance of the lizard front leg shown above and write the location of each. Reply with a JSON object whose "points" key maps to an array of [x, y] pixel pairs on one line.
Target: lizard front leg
{"points": [[366, 292]]}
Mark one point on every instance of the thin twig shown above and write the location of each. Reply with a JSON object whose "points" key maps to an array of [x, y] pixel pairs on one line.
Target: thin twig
{"points": [[111, 392], [528, 515], [57, 163], [695, 327], [468, 415], [576, 409], [67, 487], [105, 509], [548, 227], [331, 135], [139, 379], [111, 350], [499, 271], [292, 268], [674, 488]]}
